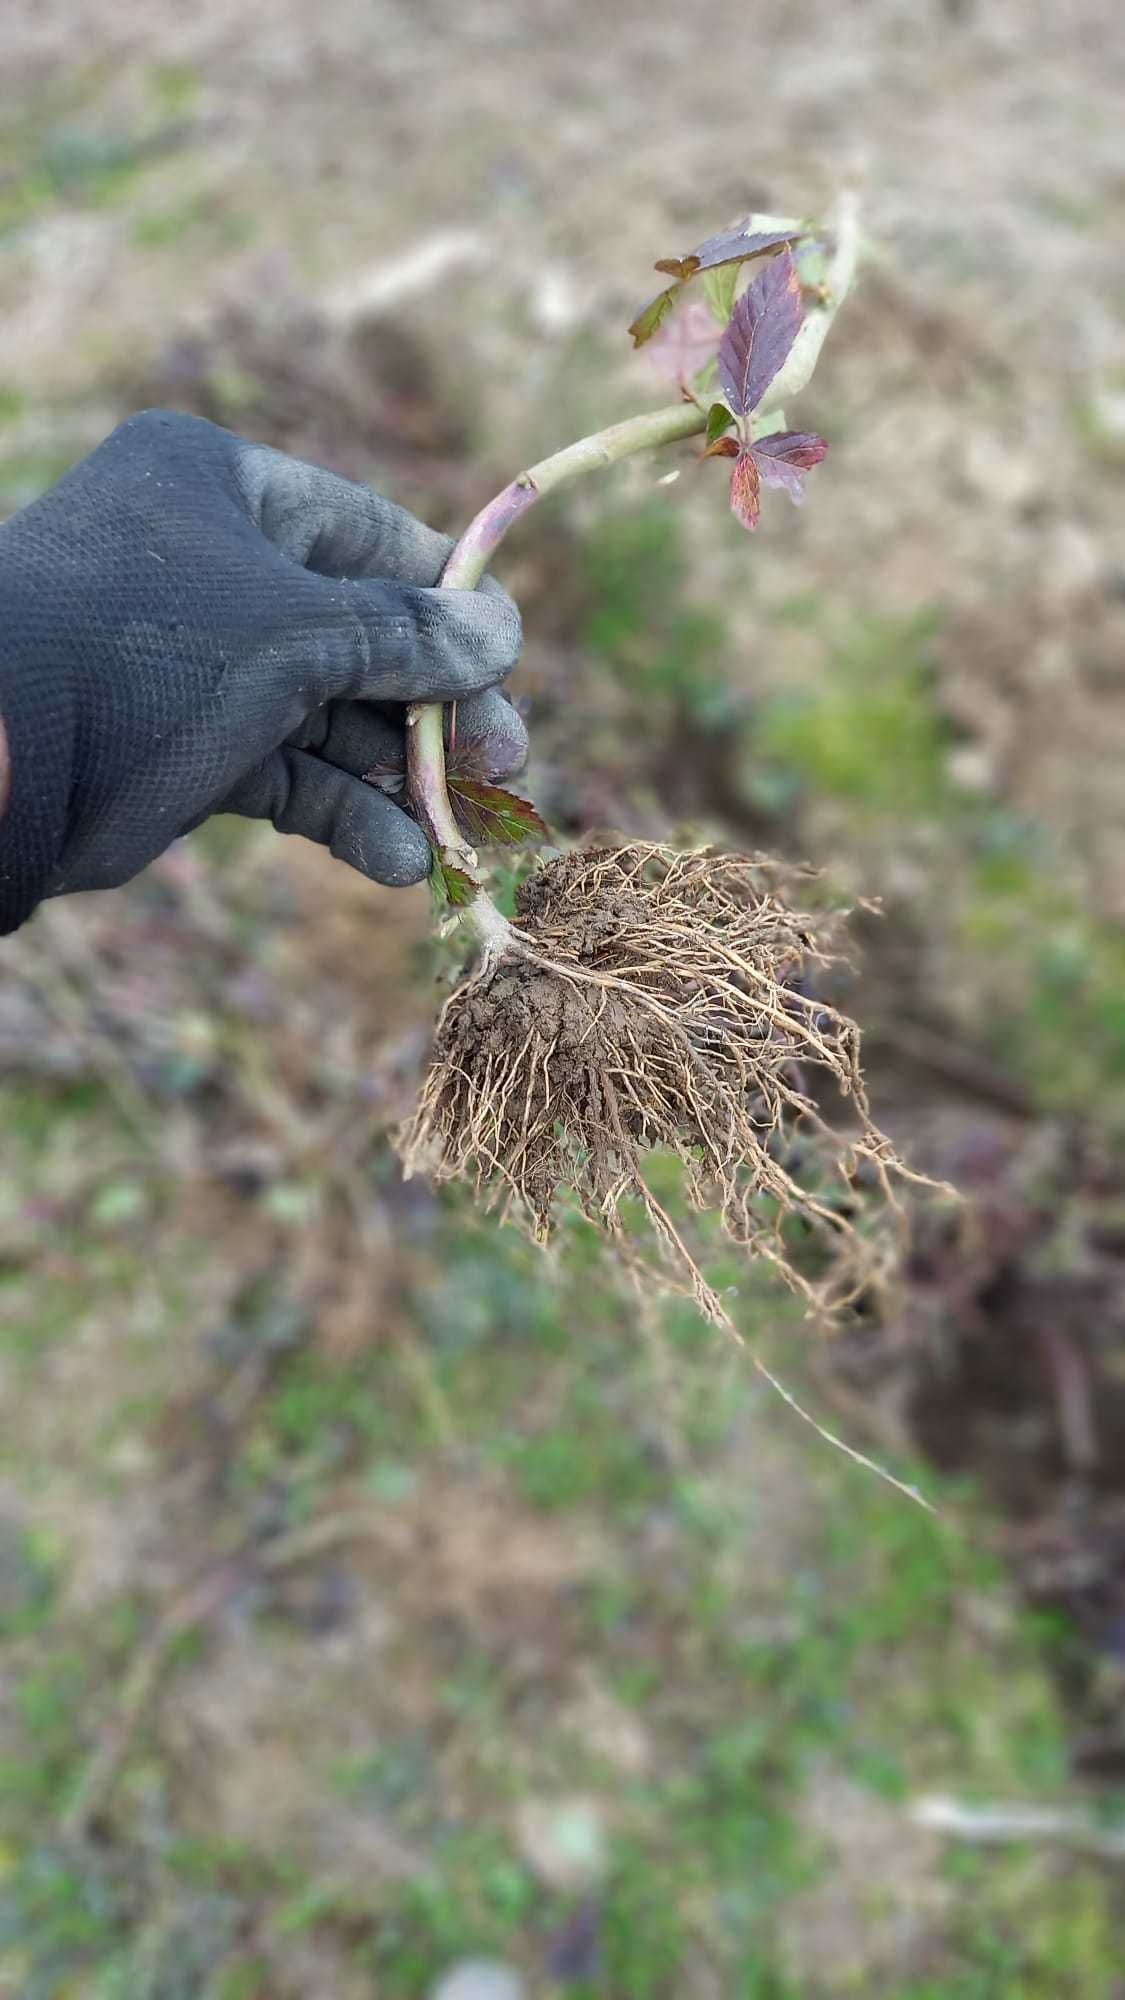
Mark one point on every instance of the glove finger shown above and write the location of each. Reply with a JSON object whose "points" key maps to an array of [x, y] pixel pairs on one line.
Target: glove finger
{"points": [[301, 794], [334, 526], [357, 737], [385, 641]]}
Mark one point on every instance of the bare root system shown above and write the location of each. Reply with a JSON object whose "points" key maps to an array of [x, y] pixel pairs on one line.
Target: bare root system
{"points": [[657, 1000]]}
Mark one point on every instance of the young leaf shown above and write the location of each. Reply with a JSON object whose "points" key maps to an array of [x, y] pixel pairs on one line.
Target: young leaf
{"points": [[719, 287], [751, 238], [732, 246], [450, 884], [784, 457], [685, 343], [489, 816], [744, 489], [719, 419], [812, 265], [652, 315], [763, 326]]}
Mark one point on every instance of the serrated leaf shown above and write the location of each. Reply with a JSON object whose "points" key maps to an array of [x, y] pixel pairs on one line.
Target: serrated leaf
{"points": [[784, 457], [733, 246], [484, 745], [752, 238], [745, 486], [763, 326], [719, 419], [489, 816], [653, 315], [450, 884], [685, 344], [719, 288]]}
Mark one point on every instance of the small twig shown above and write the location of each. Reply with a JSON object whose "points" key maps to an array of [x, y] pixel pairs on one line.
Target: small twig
{"points": [[996, 1825], [1070, 1379], [198, 1602], [195, 1606]]}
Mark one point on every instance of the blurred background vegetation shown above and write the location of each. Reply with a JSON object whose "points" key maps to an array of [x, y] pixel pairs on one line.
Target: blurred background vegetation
{"points": [[375, 1593]]}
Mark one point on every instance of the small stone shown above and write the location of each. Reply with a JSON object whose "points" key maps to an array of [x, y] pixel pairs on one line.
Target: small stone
{"points": [[563, 1840], [479, 1979], [554, 301], [610, 1730], [972, 767]]}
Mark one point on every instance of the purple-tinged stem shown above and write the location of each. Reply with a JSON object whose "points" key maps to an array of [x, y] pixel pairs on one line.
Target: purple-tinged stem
{"points": [[425, 746]]}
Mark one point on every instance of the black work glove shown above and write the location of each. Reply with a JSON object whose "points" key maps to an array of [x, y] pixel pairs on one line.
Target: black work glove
{"points": [[191, 623]]}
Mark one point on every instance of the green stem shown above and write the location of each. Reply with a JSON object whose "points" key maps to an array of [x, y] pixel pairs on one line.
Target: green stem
{"points": [[425, 746]]}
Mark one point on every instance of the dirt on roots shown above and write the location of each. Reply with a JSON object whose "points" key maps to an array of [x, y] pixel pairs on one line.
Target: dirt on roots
{"points": [[656, 1000]]}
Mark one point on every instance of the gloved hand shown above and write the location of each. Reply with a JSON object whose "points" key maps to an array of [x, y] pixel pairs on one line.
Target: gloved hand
{"points": [[191, 623]]}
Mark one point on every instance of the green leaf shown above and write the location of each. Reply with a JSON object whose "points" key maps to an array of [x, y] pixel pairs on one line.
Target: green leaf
{"points": [[719, 287], [450, 885], [489, 816], [719, 419], [653, 315]]}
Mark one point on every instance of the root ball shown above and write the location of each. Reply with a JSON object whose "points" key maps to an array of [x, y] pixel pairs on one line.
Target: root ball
{"points": [[651, 999]]}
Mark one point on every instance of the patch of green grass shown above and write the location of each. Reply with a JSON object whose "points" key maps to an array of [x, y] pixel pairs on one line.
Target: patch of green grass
{"points": [[24, 475], [1064, 1031], [321, 1417], [196, 214], [646, 1932], [30, 1562], [394, 1778], [47, 1748], [60, 1915], [175, 88], [640, 619], [869, 733], [218, 1862], [1025, 1927], [475, 1897], [594, 1452], [719, 1858], [13, 403]]}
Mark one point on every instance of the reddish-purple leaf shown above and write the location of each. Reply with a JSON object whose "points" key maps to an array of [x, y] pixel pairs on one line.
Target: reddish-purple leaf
{"points": [[685, 343], [652, 315], [763, 326], [489, 816], [722, 447], [744, 489], [730, 246], [784, 457], [479, 750]]}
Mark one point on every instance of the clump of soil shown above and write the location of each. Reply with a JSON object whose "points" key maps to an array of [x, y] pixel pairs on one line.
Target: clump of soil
{"points": [[652, 999]]}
